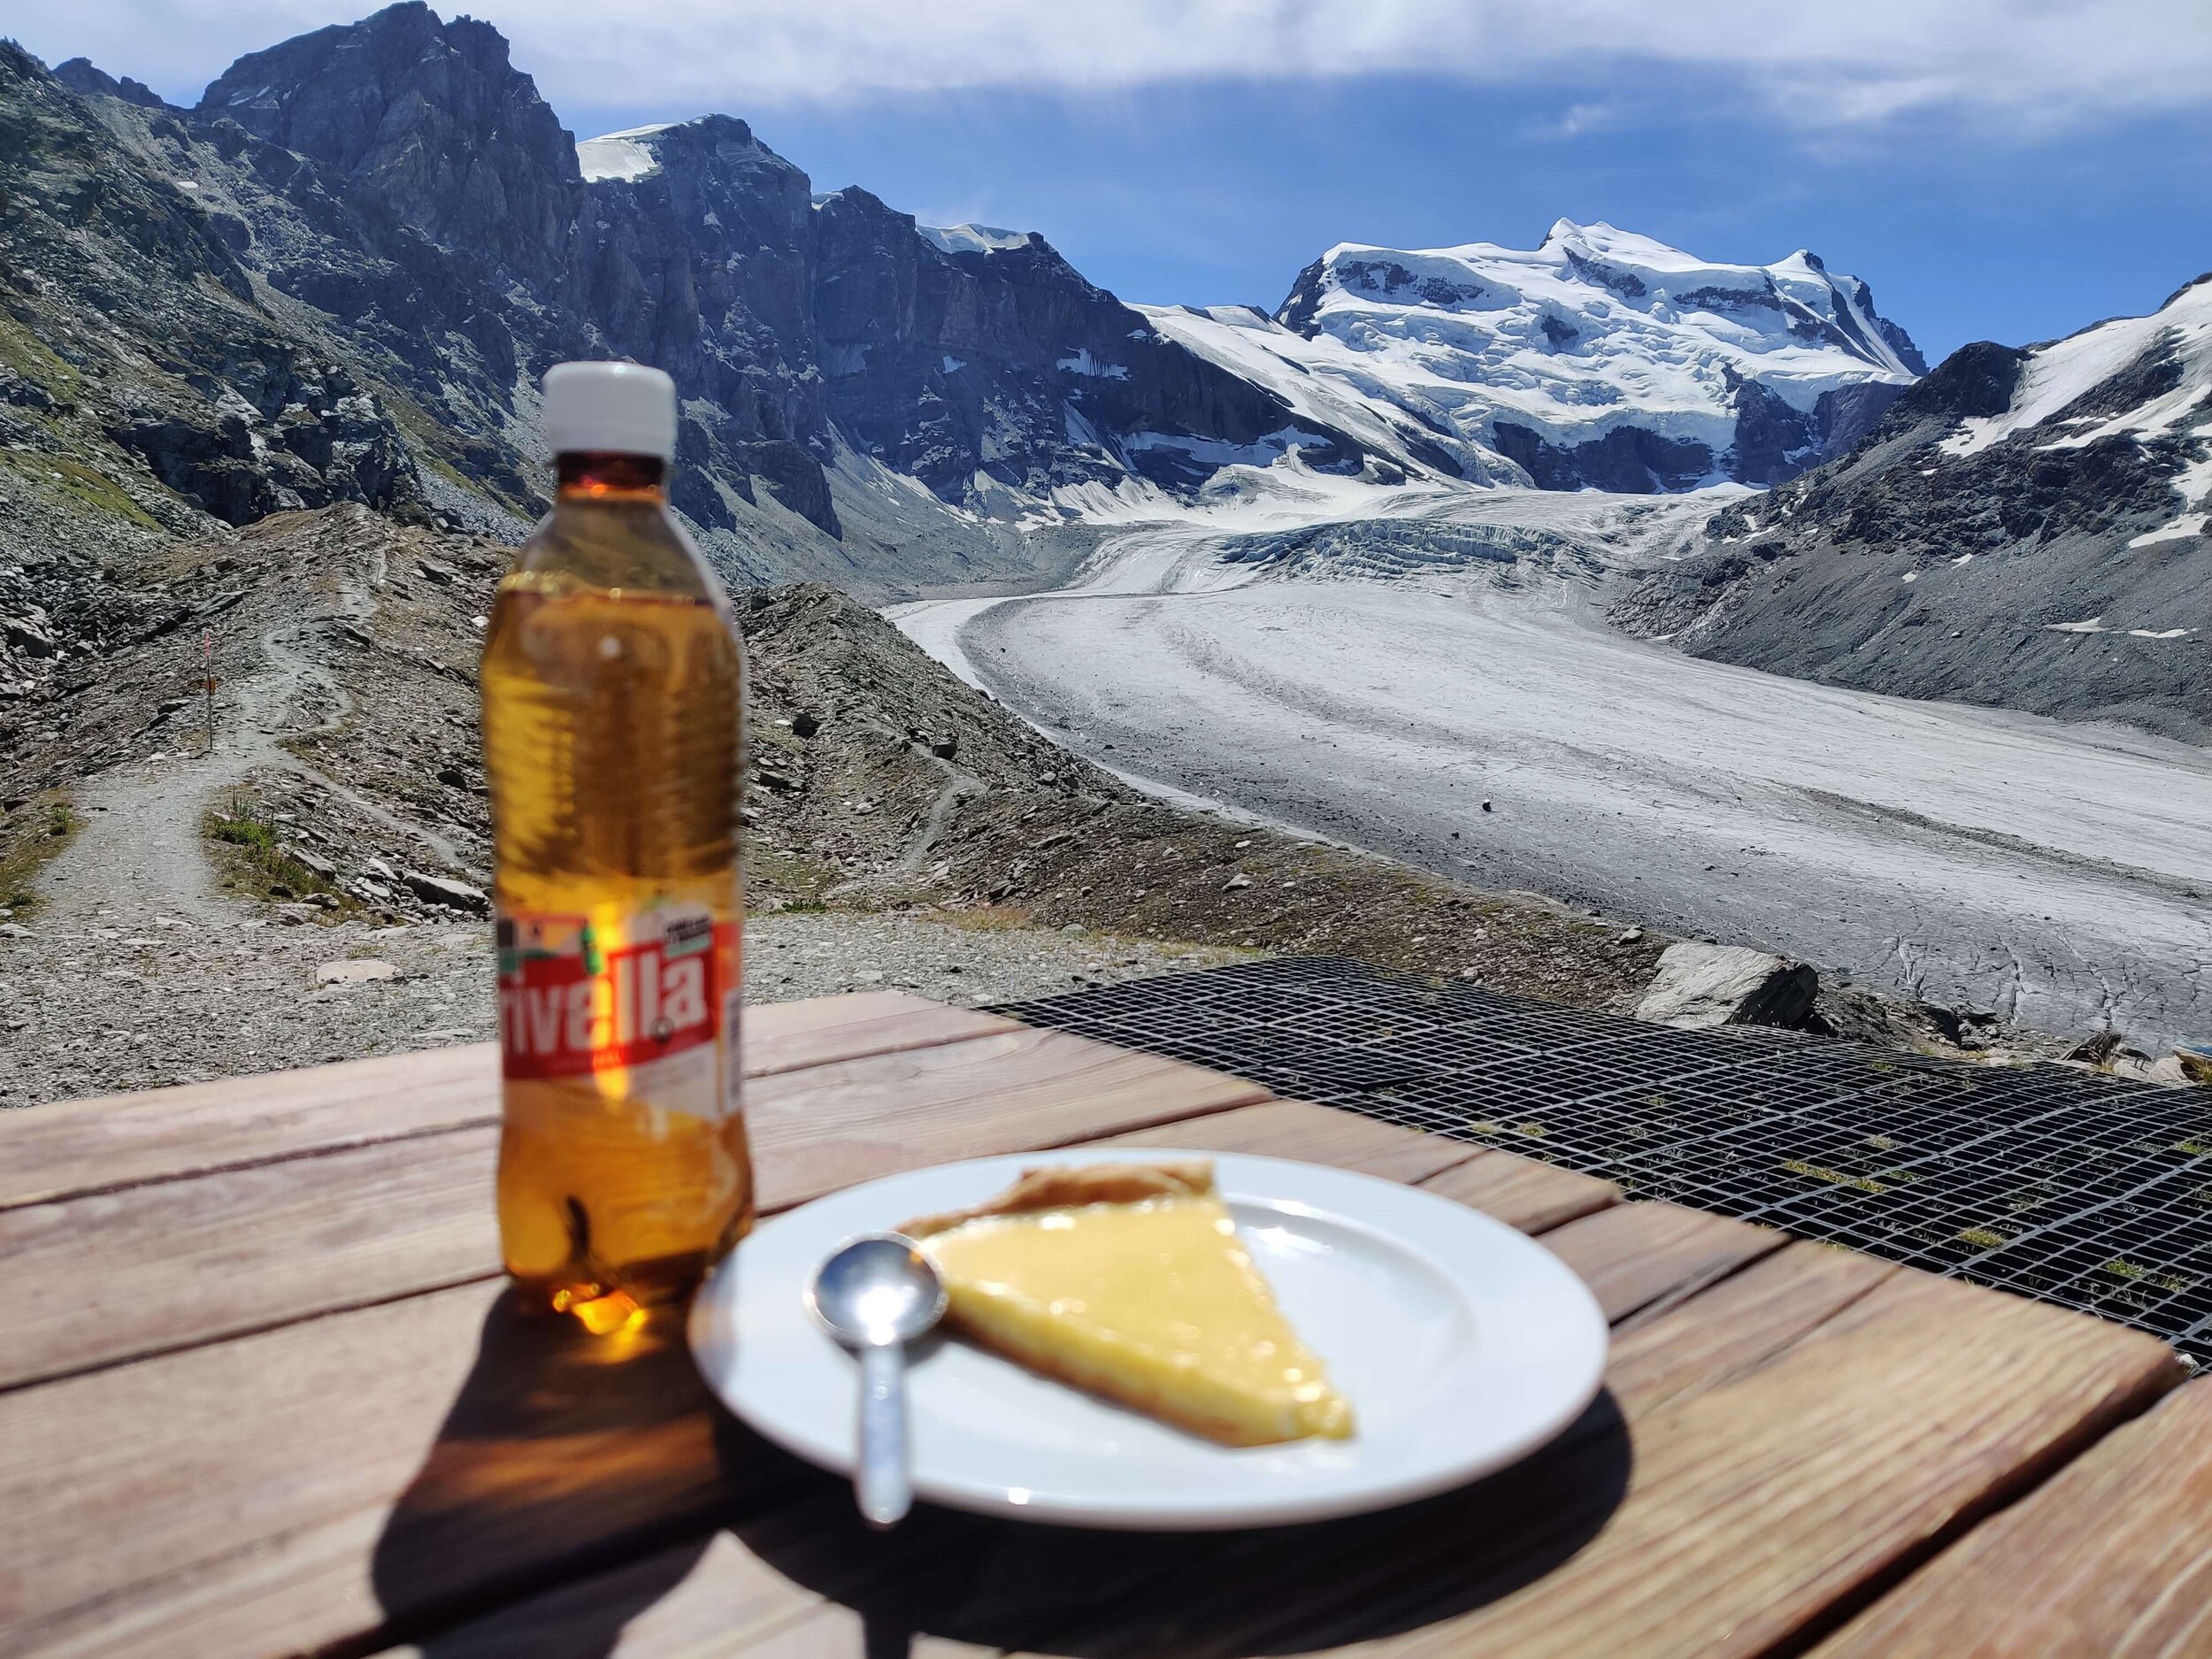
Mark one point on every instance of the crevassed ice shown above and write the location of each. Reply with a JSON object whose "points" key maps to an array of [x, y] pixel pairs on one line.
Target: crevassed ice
{"points": [[971, 238], [619, 155], [1416, 350]]}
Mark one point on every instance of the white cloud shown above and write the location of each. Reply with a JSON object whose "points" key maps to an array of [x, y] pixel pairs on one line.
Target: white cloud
{"points": [[2033, 64], [2044, 62]]}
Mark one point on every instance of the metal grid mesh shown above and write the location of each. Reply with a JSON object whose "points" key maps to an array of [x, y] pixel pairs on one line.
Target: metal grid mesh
{"points": [[2085, 1191]]}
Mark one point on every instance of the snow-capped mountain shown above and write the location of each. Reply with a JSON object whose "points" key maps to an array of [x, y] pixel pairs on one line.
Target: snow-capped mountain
{"points": [[2026, 526], [1600, 358], [864, 398]]}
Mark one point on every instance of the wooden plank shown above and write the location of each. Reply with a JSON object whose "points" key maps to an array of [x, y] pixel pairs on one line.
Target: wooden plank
{"points": [[1643, 1258], [113, 1276], [51, 1151], [782, 1037], [711, 1597], [819, 1130], [1756, 1510], [2113, 1557], [1731, 1520], [295, 1489], [1738, 1324], [1314, 1134], [1522, 1193], [954, 1580], [149, 1457]]}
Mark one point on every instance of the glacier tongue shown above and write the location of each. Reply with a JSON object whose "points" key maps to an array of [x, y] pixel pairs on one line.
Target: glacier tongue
{"points": [[1600, 358]]}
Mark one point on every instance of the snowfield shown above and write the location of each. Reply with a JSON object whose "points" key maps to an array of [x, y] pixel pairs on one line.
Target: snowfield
{"points": [[623, 156], [1421, 354], [2061, 875], [2065, 370]]}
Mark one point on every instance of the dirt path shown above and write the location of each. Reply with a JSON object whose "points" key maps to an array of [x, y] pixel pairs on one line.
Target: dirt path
{"points": [[146, 972]]}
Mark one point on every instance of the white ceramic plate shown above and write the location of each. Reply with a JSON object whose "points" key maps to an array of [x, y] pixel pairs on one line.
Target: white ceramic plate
{"points": [[1463, 1346]]}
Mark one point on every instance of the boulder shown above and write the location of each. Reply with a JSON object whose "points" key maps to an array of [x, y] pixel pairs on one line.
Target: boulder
{"points": [[313, 861], [455, 896], [1700, 984], [355, 970], [2097, 1049]]}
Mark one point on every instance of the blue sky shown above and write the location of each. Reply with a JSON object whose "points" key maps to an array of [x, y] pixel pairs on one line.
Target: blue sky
{"points": [[2005, 169], [1209, 193]]}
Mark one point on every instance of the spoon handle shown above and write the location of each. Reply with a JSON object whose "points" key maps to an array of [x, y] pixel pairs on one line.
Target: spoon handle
{"points": [[881, 1480]]}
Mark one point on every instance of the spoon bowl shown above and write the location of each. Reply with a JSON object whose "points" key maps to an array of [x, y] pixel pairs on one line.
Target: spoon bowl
{"points": [[875, 1290]]}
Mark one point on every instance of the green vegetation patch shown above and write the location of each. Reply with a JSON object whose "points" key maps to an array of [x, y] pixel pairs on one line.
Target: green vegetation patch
{"points": [[34, 360], [1983, 1238], [31, 838], [800, 881], [254, 861], [1834, 1178], [2135, 1272], [86, 486]]}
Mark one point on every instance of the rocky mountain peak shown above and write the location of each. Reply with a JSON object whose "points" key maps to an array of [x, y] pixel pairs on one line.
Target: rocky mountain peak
{"points": [[427, 118], [639, 152], [1600, 357], [81, 75]]}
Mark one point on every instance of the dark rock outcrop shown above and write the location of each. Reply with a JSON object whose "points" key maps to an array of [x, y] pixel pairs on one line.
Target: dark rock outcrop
{"points": [[81, 74], [425, 120], [2062, 566], [127, 320], [1630, 459], [402, 180]]}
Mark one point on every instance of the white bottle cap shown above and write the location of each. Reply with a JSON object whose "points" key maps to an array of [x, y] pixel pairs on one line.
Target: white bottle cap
{"points": [[621, 408]]}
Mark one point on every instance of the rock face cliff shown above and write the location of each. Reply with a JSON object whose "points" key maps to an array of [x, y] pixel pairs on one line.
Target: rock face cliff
{"points": [[2025, 527], [396, 190], [864, 399]]}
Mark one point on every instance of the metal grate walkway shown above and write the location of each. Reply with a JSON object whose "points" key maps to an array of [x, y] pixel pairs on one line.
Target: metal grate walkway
{"points": [[2085, 1191]]}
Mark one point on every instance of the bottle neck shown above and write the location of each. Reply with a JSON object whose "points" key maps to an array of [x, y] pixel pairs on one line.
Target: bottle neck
{"points": [[608, 476]]}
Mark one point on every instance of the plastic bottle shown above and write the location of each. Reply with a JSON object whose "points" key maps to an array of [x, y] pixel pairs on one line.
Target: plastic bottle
{"points": [[613, 685]]}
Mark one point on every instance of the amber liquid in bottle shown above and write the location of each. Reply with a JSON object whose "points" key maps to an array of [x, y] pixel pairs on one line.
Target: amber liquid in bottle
{"points": [[613, 684]]}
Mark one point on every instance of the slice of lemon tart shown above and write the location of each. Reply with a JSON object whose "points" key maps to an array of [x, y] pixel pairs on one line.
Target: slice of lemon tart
{"points": [[1129, 1280]]}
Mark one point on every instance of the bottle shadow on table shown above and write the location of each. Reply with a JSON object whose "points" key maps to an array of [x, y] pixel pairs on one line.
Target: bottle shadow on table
{"points": [[563, 1455], [1276, 1590], [576, 1481]]}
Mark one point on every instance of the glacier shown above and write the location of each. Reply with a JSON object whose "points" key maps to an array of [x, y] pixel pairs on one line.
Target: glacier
{"points": [[1600, 358]]}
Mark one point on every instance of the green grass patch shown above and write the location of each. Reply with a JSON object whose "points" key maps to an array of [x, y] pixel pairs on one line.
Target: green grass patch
{"points": [[86, 486], [31, 838], [1982, 1238], [33, 359], [2193, 1147], [2135, 1272], [1834, 1178], [797, 879], [254, 861]]}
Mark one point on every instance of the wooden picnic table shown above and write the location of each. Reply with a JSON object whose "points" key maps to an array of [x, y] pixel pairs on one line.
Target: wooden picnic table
{"points": [[261, 1393]]}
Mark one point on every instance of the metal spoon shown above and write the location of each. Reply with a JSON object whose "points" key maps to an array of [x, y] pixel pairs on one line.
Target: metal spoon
{"points": [[875, 1294]]}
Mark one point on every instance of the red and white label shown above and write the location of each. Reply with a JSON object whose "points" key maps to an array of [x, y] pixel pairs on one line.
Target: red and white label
{"points": [[577, 997]]}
